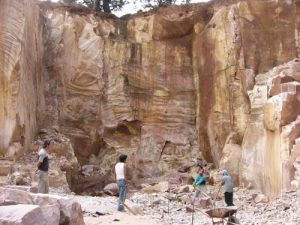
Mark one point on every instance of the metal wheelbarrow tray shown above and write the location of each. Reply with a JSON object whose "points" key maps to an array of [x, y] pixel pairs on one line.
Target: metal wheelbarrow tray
{"points": [[221, 212]]}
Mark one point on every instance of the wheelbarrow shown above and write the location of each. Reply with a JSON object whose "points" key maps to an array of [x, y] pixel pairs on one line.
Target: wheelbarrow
{"points": [[221, 215]]}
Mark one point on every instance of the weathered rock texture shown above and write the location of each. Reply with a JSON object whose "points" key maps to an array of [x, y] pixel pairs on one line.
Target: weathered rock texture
{"points": [[114, 93], [239, 42], [19, 207], [21, 74], [274, 126], [164, 87]]}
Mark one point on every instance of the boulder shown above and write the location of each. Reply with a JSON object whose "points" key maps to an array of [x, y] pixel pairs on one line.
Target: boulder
{"points": [[111, 189], [19, 178], [189, 209], [137, 209], [184, 189], [160, 187], [57, 178], [260, 198], [205, 202], [22, 214], [51, 214], [59, 208], [186, 178], [185, 199], [155, 202], [33, 189], [18, 196], [70, 212], [5, 167], [295, 184]]}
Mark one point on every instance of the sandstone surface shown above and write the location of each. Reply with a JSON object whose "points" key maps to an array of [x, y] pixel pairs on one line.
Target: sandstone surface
{"points": [[21, 207], [217, 80], [21, 68], [22, 215]]}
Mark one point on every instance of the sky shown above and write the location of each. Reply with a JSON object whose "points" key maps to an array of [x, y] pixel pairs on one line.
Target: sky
{"points": [[133, 8]]}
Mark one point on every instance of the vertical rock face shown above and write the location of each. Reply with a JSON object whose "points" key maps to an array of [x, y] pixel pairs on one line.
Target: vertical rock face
{"points": [[122, 88], [222, 104], [239, 42], [217, 80], [162, 89], [270, 145], [21, 90], [263, 146]]}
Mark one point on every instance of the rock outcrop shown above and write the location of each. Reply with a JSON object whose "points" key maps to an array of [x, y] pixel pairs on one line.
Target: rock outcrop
{"points": [[119, 92], [274, 126], [216, 80], [21, 80], [20, 207]]}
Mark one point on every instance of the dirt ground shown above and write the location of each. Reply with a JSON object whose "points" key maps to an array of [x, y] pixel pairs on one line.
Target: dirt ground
{"points": [[119, 219]]}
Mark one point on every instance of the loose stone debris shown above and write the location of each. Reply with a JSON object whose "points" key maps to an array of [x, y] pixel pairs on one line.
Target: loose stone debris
{"points": [[165, 208], [159, 202]]}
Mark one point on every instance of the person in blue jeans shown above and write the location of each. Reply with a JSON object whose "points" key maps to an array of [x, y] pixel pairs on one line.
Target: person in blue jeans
{"points": [[121, 173]]}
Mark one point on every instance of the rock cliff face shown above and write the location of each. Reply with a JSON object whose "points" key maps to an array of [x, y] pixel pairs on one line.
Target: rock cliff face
{"points": [[21, 70], [274, 127], [240, 42], [218, 81], [123, 87]]}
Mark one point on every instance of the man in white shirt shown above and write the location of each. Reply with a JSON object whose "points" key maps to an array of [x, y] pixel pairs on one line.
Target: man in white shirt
{"points": [[121, 173]]}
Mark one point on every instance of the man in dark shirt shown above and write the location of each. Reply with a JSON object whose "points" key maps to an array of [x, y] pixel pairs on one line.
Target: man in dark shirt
{"points": [[43, 167]]}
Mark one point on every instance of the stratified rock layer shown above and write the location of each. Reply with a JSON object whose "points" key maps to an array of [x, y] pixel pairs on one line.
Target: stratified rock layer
{"points": [[164, 87], [112, 93], [21, 74]]}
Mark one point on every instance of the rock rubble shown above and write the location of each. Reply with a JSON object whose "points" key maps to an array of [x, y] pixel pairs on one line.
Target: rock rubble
{"points": [[166, 209]]}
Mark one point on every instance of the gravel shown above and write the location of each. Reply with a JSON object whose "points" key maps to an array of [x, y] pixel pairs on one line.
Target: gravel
{"points": [[281, 211]]}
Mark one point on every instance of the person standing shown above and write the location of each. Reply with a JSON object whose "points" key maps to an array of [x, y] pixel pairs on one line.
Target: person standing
{"points": [[121, 174], [200, 182], [228, 188], [43, 167]]}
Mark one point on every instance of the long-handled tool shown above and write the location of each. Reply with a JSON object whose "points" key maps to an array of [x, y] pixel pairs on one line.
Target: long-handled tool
{"points": [[199, 210], [193, 210], [129, 209], [193, 202], [213, 203]]}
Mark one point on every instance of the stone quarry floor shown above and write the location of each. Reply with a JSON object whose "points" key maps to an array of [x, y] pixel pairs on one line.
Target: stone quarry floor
{"points": [[102, 210]]}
